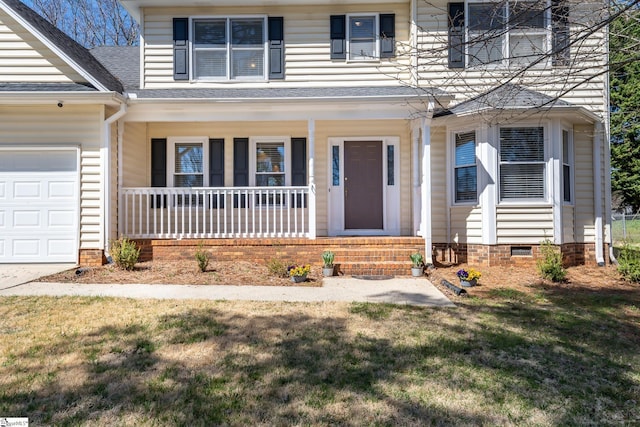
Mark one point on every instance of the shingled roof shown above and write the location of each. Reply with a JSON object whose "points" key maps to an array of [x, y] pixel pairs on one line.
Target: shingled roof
{"points": [[72, 49], [504, 97]]}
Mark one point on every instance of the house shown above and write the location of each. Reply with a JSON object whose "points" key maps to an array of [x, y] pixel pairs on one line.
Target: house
{"points": [[289, 127]]}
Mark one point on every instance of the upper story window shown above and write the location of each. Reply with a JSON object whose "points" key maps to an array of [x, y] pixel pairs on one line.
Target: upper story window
{"points": [[520, 33], [522, 163], [513, 31], [229, 48], [362, 37]]}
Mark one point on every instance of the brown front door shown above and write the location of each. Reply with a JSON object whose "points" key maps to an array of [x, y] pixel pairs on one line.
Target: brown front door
{"points": [[363, 185]]}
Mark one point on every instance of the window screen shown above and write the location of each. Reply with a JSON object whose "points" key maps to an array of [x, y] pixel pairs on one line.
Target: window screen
{"points": [[466, 181], [522, 163]]}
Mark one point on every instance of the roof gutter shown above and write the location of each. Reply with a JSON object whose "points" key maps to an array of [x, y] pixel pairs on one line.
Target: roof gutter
{"points": [[35, 98], [106, 173]]}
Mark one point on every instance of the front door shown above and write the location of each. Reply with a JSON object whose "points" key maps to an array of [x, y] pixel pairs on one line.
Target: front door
{"points": [[363, 180]]}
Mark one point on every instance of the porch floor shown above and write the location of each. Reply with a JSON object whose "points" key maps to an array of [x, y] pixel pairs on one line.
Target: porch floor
{"points": [[353, 255]]}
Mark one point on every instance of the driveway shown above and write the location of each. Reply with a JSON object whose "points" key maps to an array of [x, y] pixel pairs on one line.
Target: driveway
{"points": [[16, 274]]}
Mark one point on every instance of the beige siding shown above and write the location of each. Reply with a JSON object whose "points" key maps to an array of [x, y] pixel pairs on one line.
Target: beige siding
{"points": [[584, 185], [439, 184], [524, 224], [137, 163], [568, 225], [307, 46], [589, 56], [72, 126], [135, 152], [23, 58], [466, 224]]}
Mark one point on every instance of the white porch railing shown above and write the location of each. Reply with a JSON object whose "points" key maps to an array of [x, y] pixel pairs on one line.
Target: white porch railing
{"points": [[239, 212]]}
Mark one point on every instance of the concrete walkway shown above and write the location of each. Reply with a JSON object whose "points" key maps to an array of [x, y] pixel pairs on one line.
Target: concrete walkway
{"points": [[405, 290]]}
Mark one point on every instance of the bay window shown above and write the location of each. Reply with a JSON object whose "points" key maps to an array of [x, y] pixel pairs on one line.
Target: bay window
{"points": [[522, 164], [465, 169]]}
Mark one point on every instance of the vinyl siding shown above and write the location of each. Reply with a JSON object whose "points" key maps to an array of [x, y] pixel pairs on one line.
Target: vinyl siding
{"points": [[524, 224], [568, 224], [466, 224], [589, 56], [584, 185], [439, 184], [71, 126], [137, 151], [23, 58], [307, 47]]}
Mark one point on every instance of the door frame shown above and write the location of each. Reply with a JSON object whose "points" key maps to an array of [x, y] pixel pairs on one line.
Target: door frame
{"points": [[390, 193]]}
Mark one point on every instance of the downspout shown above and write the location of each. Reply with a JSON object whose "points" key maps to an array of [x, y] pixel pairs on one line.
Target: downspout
{"points": [[106, 173], [607, 153], [597, 191]]}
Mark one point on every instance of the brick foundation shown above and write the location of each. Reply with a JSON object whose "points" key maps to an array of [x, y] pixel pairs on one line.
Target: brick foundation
{"points": [[92, 257], [491, 255], [353, 255]]}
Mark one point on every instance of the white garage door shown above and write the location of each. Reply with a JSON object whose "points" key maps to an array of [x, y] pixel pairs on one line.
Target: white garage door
{"points": [[39, 206]]}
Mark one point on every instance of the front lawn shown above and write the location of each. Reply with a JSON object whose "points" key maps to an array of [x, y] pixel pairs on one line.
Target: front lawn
{"points": [[544, 356]]}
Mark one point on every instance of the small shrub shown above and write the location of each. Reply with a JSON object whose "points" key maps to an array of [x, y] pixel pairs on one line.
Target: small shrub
{"points": [[278, 268], [417, 260], [550, 265], [125, 253], [202, 257], [327, 258], [629, 263]]}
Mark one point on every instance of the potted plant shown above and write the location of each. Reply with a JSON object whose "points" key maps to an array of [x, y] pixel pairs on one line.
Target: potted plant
{"points": [[468, 277], [417, 264], [327, 263], [298, 273]]}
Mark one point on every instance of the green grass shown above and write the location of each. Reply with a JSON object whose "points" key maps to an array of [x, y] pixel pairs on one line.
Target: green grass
{"points": [[547, 358], [628, 231]]}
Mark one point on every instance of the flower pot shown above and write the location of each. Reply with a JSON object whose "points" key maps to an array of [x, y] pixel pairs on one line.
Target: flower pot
{"points": [[327, 271], [468, 283], [298, 279], [417, 271]]}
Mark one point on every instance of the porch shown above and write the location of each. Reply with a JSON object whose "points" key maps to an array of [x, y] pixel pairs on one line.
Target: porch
{"points": [[218, 213]]}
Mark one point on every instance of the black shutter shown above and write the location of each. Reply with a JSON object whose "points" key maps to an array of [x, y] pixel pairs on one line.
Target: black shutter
{"points": [[387, 35], [338, 37], [276, 48], [456, 35], [180, 48], [299, 167], [560, 32], [158, 168], [216, 168], [240, 166]]}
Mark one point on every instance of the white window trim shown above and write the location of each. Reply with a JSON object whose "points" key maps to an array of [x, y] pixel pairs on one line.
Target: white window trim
{"points": [[376, 37], [506, 37], [548, 177], [451, 179], [171, 156], [253, 141], [228, 18], [571, 164]]}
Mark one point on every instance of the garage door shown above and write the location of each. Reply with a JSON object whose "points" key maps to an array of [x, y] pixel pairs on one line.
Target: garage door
{"points": [[39, 206]]}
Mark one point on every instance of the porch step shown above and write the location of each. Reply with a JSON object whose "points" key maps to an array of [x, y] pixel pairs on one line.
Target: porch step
{"points": [[381, 268]]}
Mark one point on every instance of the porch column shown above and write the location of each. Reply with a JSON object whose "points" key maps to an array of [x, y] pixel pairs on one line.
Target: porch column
{"points": [[597, 191], [415, 155], [312, 179], [556, 180], [426, 189]]}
